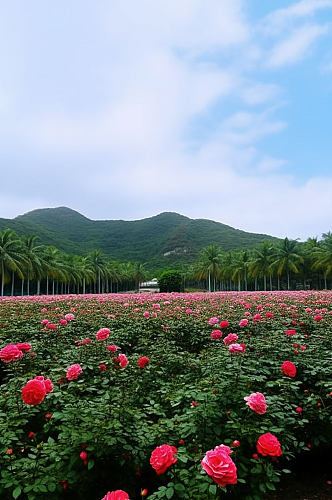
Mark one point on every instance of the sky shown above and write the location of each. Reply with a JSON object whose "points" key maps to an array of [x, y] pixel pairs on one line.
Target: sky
{"points": [[122, 109]]}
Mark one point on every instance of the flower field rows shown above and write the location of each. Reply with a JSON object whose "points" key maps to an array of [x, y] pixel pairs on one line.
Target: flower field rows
{"points": [[189, 396]]}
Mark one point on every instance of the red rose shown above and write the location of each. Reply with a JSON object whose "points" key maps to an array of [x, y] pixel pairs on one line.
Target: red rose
{"points": [[268, 444], [224, 324], [10, 353], [162, 457], [288, 368], [219, 465], [143, 361], [33, 392], [216, 334], [116, 495], [290, 332]]}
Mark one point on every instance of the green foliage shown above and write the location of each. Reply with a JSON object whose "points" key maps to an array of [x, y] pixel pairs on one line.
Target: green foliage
{"points": [[170, 281]]}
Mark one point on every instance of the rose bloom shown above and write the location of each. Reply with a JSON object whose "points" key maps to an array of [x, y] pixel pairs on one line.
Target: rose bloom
{"points": [[162, 457], [73, 371], [243, 322], [213, 321], [34, 392], [51, 326], [102, 367], [47, 383], [123, 360], [318, 317], [219, 466], [103, 334], [290, 332], [116, 495], [236, 348], [112, 348], [143, 361], [224, 324], [24, 346], [231, 337], [256, 402], [86, 341], [44, 322], [288, 368], [63, 321], [10, 353], [216, 334], [69, 317], [268, 444]]}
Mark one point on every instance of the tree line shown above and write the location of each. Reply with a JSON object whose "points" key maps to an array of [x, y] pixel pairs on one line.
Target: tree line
{"points": [[27, 268], [286, 264]]}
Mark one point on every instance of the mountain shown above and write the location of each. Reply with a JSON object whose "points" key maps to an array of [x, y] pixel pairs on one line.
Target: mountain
{"points": [[163, 240]]}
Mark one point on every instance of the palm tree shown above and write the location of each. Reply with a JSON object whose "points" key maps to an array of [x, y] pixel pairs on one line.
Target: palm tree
{"points": [[36, 265], [99, 265], [260, 263], [286, 258], [209, 265], [139, 274], [323, 256], [240, 268], [11, 257]]}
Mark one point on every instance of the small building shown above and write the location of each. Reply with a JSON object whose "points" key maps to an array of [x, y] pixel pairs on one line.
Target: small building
{"points": [[149, 286]]}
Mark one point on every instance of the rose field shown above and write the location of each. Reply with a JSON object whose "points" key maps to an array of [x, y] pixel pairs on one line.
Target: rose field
{"points": [[189, 396]]}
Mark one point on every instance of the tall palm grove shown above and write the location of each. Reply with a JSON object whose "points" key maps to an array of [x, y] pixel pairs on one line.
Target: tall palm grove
{"points": [[27, 268]]}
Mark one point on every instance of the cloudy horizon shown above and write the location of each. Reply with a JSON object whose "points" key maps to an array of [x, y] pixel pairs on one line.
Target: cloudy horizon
{"points": [[126, 109]]}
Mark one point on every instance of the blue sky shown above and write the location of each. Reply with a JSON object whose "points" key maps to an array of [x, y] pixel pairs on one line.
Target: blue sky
{"points": [[124, 109]]}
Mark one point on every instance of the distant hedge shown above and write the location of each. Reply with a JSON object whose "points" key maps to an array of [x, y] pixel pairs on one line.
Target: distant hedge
{"points": [[171, 281]]}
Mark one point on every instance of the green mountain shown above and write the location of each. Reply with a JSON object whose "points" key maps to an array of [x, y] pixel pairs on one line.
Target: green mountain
{"points": [[167, 239]]}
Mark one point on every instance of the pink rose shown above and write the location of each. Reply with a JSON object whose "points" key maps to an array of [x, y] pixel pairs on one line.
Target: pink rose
{"points": [[73, 371], [112, 348], [243, 322], [69, 317], [256, 402], [116, 495], [123, 360], [236, 348], [268, 444], [103, 334], [10, 353], [231, 337], [24, 346], [162, 457], [213, 321], [219, 466]]}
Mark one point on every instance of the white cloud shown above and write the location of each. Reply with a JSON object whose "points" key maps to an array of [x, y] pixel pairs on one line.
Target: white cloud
{"points": [[296, 46], [283, 18]]}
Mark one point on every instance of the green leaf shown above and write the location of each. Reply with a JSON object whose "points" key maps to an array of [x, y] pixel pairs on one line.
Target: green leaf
{"points": [[213, 489], [91, 463], [17, 492], [169, 492]]}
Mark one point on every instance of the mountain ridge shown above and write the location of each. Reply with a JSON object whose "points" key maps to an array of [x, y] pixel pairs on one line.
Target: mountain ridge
{"points": [[165, 239]]}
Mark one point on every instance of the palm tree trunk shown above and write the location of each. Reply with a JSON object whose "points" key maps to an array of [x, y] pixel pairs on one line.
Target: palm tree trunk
{"points": [[84, 286], [2, 278], [264, 282], [47, 285], [28, 283], [209, 281], [13, 281], [287, 280], [278, 282], [22, 287], [325, 283], [270, 282], [98, 281], [38, 287]]}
